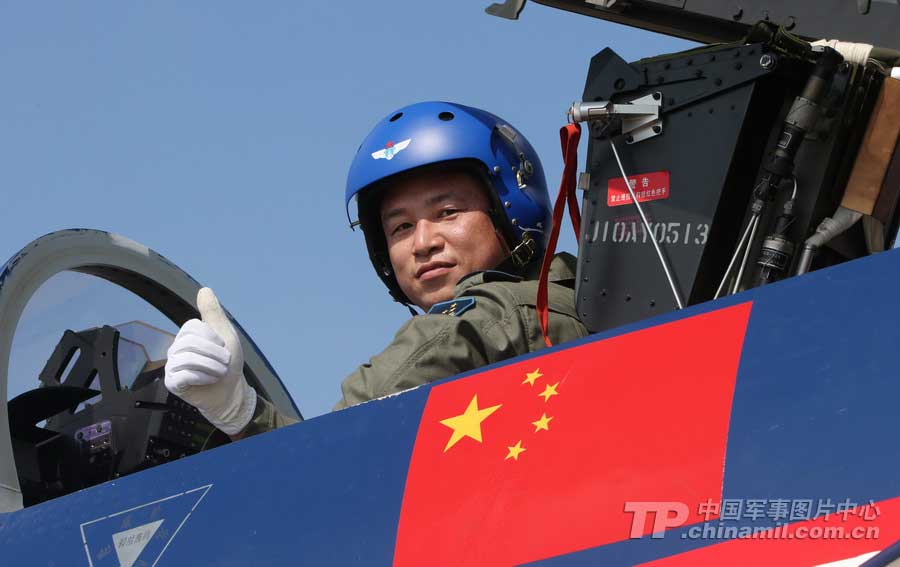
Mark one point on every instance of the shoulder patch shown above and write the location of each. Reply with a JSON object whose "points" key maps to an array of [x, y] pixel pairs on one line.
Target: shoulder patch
{"points": [[453, 307]]}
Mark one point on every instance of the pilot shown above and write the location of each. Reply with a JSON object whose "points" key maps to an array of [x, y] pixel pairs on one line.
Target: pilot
{"points": [[454, 208]]}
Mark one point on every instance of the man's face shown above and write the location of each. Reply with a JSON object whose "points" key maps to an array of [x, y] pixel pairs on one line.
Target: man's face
{"points": [[438, 230]]}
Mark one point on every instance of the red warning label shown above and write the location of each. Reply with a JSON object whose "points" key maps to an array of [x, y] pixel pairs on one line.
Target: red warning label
{"points": [[646, 187]]}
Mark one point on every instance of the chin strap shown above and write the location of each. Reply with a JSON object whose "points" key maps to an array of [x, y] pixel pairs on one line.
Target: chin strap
{"points": [[524, 252], [569, 136]]}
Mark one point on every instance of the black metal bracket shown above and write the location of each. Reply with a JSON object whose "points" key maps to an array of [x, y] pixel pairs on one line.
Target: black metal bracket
{"points": [[97, 350], [696, 77], [510, 9]]}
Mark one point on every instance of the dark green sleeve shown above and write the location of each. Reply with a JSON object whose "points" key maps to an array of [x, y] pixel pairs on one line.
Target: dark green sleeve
{"points": [[431, 347], [265, 418], [425, 349]]}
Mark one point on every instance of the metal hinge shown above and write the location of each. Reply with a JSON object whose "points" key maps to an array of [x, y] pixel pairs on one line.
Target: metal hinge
{"points": [[640, 117]]}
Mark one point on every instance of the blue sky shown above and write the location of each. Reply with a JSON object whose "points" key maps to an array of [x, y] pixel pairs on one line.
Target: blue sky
{"points": [[219, 134]]}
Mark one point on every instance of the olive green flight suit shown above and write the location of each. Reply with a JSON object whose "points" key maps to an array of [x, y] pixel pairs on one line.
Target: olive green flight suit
{"points": [[501, 323]]}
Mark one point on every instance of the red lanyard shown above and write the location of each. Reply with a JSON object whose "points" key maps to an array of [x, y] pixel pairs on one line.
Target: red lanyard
{"points": [[568, 139]]}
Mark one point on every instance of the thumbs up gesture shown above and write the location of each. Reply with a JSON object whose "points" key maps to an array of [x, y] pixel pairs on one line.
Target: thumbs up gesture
{"points": [[205, 367]]}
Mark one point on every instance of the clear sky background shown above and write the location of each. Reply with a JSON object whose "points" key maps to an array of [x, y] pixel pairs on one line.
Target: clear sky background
{"points": [[219, 134]]}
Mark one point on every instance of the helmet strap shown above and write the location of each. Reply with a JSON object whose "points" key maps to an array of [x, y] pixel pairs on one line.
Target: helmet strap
{"points": [[568, 137], [522, 254]]}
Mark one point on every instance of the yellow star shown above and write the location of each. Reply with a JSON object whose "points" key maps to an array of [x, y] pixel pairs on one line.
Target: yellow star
{"points": [[515, 451], [468, 424], [549, 391], [543, 423], [532, 376]]}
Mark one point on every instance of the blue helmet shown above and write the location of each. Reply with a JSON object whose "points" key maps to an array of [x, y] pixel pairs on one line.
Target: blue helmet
{"points": [[429, 133]]}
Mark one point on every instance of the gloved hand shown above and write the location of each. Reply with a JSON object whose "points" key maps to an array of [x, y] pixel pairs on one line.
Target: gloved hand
{"points": [[205, 367]]}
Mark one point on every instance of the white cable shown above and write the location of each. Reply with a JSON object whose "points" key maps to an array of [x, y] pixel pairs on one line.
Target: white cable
{"points": [[640, 209], [856, 53], [737, 282], [737, 252], [740, 246], [754, 221], [879, 65]]}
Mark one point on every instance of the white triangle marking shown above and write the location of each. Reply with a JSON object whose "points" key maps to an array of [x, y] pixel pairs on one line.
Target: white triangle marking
{"points": [[130, 543], [84, 540]]}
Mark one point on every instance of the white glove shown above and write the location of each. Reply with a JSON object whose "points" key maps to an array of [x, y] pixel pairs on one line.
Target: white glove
{"points": [[205, 368]]}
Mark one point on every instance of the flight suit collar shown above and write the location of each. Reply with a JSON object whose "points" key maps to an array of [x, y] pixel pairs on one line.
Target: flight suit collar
{"points": [[562, 271]]}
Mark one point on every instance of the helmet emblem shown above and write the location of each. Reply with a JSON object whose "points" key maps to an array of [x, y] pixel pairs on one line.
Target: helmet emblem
{"points": [[391, 149]]}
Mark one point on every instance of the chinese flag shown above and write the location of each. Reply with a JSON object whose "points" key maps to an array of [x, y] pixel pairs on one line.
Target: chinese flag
{"points": [[537, 458]]}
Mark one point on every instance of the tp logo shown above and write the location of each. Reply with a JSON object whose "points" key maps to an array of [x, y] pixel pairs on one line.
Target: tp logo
{"points": [[665, 515]]}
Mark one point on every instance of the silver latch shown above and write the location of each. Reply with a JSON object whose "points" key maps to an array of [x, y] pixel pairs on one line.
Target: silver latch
{"points": [[640, 117]]}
